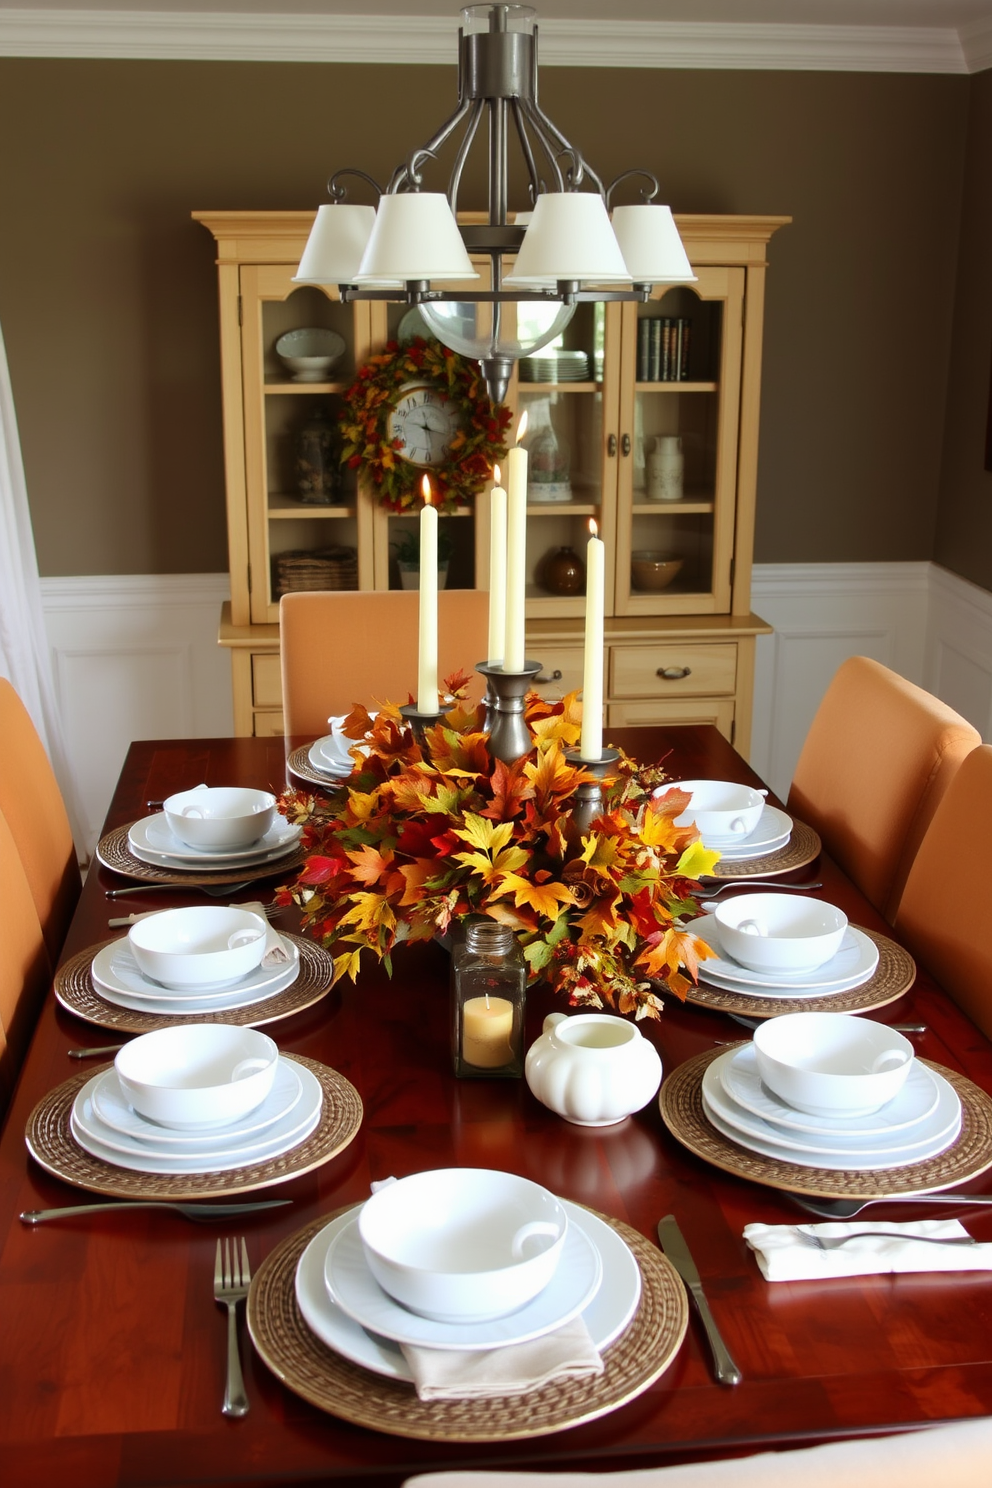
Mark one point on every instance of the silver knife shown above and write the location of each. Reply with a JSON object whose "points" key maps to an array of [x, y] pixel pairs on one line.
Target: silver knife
{"points": [[675, 1248]]}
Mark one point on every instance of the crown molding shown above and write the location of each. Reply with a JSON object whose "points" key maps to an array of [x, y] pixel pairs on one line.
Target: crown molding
{"points": [[253, 37]]}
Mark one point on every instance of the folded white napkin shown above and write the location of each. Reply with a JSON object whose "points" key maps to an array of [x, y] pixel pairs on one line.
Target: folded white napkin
{"points": [[277, 952], [452, 1374], [783, 1254]]}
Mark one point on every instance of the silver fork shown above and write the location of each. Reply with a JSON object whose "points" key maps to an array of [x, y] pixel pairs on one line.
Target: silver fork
{"points": [[755, 886], [231, 1287], [216, 891], [832, 1242]]}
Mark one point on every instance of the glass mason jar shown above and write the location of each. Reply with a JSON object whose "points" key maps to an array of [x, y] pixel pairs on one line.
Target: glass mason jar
{"points": [[488, 991], [317, 459]]}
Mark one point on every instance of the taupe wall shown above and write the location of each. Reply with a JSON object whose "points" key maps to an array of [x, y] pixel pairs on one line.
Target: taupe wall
{"points": [[964, 514], [107, 297]]}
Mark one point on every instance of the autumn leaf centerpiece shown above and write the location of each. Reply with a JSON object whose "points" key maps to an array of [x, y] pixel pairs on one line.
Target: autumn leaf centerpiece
{"points": [[420, 838]]}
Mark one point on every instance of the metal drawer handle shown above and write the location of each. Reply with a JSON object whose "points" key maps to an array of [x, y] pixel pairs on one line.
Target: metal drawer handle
{"points": [[543, 681], [673, 674]]}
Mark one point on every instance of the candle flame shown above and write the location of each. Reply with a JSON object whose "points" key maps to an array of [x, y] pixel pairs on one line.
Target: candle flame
{"points": [[593, 527], [522, 426], [495, 475], [425, 488]]}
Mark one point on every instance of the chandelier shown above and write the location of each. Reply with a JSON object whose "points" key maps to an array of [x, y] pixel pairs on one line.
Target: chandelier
{"points": [[568, 243]]}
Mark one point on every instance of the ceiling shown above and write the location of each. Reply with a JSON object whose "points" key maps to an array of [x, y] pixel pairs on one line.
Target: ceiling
{"points": [[949, 14]]}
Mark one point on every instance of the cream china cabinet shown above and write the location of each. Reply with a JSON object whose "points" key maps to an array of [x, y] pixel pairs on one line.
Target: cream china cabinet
{"points": [[681, 372]]}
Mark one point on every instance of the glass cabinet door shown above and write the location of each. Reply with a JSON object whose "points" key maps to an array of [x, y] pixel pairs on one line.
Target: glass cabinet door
{"points": [[677, 474], [307, 528], [569, 391]]}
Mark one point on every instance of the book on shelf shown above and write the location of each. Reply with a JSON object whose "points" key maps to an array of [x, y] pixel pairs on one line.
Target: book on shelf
{"points": [[663, 348]]}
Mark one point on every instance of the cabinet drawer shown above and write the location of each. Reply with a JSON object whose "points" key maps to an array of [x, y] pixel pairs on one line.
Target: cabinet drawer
{"points": [[698, 669], [564, 659], [267, 725], [717, 711], [266, 680]]}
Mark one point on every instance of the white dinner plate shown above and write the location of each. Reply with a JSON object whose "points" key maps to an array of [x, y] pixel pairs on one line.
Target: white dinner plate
{"points": [[947, 1113], [772, 832], [915, 1102], [352, 1286], [726, 984], [854, 963], [320, 764], [115, 970], [153, 835], [88, 1131], [115, 1113], [606, 1316]]}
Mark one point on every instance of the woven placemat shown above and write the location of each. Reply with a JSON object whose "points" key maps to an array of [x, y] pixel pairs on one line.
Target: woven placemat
{"points": [[681, 1103], [893, 976], [114, 851], [299, 764], [309, 1368], [802, 847], [78, 993], [52, 1145]]}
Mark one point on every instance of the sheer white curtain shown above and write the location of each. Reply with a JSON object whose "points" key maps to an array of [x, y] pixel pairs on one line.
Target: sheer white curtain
{"points": [[24, 655]]}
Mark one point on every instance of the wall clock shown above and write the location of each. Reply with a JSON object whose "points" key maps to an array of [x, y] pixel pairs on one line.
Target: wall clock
{"points": [[423, 424]]}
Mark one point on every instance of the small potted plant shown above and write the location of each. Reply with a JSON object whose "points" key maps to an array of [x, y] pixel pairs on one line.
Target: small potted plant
{"points": [[407, 550]]}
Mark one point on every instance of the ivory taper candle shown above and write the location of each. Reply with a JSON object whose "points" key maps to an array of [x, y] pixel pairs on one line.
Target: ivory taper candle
{"points": [[591, 741], [427, 699], [516, 552], [497, 573]]}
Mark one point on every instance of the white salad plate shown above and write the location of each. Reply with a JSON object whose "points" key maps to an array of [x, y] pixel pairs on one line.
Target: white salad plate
{"points": [[111, 1106], [338, 771], [915, 1102], [728, 984], [114, 969], [853, 964], [942, 1128], [152, 835], [352, 1286], [606, 1315], [772, 833], [109, 1146]]}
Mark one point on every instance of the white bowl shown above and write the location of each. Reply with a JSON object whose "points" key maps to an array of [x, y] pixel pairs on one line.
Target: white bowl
{"points": [[832, 1064], [198, 1075], [724, 812], [221, 818], [205, 946], [463, 1245], [780, 932], [310, 352]]}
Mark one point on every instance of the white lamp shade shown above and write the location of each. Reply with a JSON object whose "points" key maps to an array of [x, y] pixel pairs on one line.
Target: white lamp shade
{"points": [[651, 246], [569, 237], [336, 243], [415, 236]]}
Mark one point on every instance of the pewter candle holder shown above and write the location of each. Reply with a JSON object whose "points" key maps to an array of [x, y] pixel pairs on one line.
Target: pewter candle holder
{"points": [[588, 802], [420, 722], [509, 736]]}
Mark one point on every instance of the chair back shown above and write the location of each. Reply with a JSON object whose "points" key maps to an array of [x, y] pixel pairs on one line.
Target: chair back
{"points": [[344, 647], [24, 965], [31, 801], [878, 757], [945, 914]]}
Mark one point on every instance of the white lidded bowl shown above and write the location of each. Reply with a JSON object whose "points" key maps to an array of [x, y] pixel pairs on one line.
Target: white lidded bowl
{"points": [[197, 1075], [202, 947], [724, 812], [220, 817], [832, 1064], [782, 933], [463, 1245]]}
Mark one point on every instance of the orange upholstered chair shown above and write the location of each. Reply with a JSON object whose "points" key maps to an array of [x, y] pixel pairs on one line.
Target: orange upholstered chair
{"points": [[945, 914], [357, 646], [877, 760], [25, 970], [31, 801]]}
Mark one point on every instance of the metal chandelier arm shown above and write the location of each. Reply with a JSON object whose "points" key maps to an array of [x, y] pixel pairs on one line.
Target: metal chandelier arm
{"points": [[406, 174]]}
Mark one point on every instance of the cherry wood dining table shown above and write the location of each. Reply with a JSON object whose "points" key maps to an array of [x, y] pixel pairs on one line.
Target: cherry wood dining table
{"points": [[112, 1349]]}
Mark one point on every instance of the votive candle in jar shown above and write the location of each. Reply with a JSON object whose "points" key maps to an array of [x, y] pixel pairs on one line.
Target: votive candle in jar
{"points": [[488, 990]]}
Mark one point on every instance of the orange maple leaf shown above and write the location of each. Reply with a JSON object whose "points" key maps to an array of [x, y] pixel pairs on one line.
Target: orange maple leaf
{"points": [[370, 865]]}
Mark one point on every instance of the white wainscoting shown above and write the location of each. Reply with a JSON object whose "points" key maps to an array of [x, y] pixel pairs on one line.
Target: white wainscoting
{"points": [[134, 657], [137, 657]]}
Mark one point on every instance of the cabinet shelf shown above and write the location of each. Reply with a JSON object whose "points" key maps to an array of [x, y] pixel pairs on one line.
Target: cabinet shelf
{"points": [[672, 386], [686, 508], [302, 389], [559, 387], [288, 507]]}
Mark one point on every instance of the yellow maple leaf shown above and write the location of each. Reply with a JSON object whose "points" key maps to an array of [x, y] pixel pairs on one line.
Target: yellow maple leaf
{"points": [[546, 899], [368, 912], [697, 861], [347, 964], [480, 832], [361, 804], [492, 869]]}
